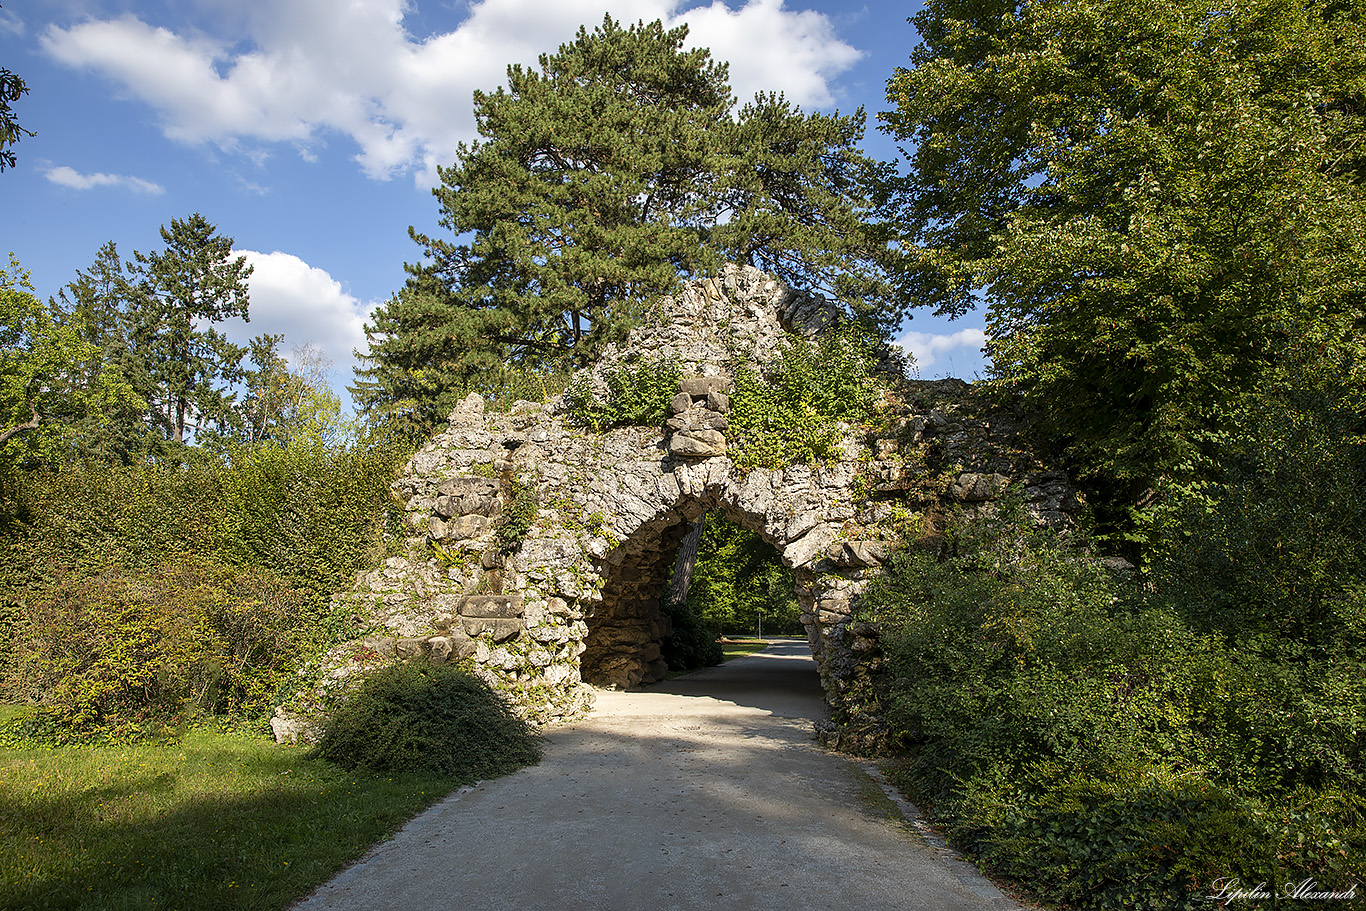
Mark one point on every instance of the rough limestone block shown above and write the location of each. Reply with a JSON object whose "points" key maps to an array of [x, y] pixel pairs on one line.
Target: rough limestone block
{"points": [[975, 488], [492, 606], [857, 553], [809, 548], [702, 443], [467, 527], [699, 387], [500, 630]]}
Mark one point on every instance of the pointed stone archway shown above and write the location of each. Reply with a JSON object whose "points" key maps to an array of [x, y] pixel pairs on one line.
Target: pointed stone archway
{"points": [[541, 551]]}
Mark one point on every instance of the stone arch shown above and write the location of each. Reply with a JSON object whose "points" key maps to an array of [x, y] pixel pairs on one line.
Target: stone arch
{"points": [[533, 543]]}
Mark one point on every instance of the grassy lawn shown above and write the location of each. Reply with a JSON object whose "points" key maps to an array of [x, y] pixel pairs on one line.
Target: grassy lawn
{"points": [[214, 821], [739, 648]]}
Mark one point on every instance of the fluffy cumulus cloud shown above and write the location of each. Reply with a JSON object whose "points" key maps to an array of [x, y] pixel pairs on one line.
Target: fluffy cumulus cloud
{"points": [[306, 305], [955, 354], [294, 71], [75, 180]]}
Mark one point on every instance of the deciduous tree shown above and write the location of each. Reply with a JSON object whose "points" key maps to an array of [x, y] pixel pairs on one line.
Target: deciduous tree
{"points": [[52, 380], [1153, 197]]}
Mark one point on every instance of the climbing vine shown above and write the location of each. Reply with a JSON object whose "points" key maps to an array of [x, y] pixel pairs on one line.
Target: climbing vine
{"points": [[638, 393], [789, 410]]}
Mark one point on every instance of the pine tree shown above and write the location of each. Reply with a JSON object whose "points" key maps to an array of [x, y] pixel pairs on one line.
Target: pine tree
{"points": [[179, 294], [603, 177]]}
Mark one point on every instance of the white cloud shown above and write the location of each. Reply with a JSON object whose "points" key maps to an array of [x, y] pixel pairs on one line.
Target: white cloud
{"points": [[304, 304], [70, 177], [295, 70], [931, 350], [11, 24]]}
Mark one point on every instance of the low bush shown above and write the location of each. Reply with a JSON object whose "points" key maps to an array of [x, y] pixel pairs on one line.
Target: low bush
{"points": [[1078, 733], [118, 655], [416, 716]]}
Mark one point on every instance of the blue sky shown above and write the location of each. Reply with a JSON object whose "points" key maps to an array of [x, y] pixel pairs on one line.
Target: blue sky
{"points": [[309, 130]]}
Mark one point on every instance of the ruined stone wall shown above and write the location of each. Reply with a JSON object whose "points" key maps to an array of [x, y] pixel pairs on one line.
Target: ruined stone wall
{"points": [[541, 551]]}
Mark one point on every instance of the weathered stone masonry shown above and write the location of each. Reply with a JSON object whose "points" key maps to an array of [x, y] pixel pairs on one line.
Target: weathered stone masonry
{"points": [[574, 600]]}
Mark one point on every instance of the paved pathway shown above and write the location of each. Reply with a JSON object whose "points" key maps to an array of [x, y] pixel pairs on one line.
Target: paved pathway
{"points": [[705, 792]]}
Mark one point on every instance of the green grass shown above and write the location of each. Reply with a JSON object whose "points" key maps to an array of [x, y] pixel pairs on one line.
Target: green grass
{"points": [[739, 648], [214, 821]]}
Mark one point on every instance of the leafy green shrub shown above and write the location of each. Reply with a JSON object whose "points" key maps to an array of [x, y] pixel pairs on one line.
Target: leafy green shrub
{"points": [[788, 411], [118, 655], [1077, 732], [417, 716], [274, 531], [638, 393], [693, 641]]}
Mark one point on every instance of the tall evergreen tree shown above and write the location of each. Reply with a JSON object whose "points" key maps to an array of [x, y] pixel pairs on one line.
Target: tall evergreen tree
{"points": [[180, 292], [99, 301], [603, 176]]}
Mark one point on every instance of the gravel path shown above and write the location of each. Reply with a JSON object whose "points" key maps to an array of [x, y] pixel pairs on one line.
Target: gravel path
{"points": [[705, 792]]}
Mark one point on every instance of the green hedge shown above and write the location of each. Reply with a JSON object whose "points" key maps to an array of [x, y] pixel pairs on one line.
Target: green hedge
{"points": [[137, 598]]}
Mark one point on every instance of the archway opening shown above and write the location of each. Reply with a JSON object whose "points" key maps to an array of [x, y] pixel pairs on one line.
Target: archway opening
{"points": [[645, 625]]}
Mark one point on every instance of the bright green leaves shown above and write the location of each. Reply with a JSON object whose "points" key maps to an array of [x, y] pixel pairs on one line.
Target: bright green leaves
{"points": [[1153, 197], [790, 410], [638, 393], [53, 384]]}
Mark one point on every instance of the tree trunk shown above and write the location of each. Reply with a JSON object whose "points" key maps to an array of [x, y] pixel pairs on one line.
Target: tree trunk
{"points": [[33, 422], [683, 566]]}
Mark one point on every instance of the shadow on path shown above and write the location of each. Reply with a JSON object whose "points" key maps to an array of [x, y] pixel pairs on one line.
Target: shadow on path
{"points": [[703, 792]]}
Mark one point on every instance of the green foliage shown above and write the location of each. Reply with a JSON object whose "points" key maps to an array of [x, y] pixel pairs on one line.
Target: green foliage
{"points": [[104, 546], [179, 294], [638, 393], [603, 176], [1153, 198], [738, 579], [118, 655], [692, 643], [789, 410], [1079, 733], [53, 383], [517, 518], [1273, 547], [416, 716], [12, 88]]}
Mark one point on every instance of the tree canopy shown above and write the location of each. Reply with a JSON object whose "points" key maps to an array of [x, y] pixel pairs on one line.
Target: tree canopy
{"points": [[181, 291], [53, 384], [602, 177], [1153, 197]]}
